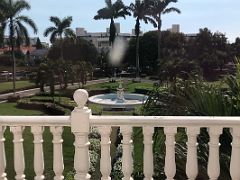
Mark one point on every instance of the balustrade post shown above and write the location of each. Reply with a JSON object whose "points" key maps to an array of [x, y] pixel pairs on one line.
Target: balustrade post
{"points": [[192, 161], [58, 164], [2, 155], [148, 153], [213, 160], [38, 152], [105, 162], [19, 164], [235, 157], [80, 128], [127, 160], [170, 164]]}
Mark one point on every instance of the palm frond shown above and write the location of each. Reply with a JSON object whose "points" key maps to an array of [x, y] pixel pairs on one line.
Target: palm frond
{"points": [[23, 32], [103, 13], [28, 21], [18, 6], [55, 20], [172, 9], [49, 30], [53, 36], [66, 22], [151, 20], [171, 1], [69, 33], [108, 3]]}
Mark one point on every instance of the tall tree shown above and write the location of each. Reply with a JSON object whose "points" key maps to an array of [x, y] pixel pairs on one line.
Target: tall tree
{"points": [[16, 22], [38, 44], [112, 11], [61, 28], [141, 11], [2, 19], [159, 8]]}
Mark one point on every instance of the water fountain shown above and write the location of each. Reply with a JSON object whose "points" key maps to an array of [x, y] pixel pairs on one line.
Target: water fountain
{"points": [[119, 100]]}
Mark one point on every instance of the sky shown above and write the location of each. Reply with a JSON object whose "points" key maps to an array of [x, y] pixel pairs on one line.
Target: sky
{"points": [[217, 15]]}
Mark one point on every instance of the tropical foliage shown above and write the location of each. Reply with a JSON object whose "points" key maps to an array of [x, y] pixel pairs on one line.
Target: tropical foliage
{"points": [[14, 22], [61, 28], [112, 11], [195, 98], [141, 10], [159, 8]]}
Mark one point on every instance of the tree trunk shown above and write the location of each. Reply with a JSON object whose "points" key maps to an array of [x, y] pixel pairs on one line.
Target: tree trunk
{"points": [[41, 87], [112, 32], [137, 32], [159, 37], [52, 88], [13, 55]]}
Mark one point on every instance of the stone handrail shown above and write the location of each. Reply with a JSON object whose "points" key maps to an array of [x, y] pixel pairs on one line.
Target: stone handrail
{"points": [[80, 122]]}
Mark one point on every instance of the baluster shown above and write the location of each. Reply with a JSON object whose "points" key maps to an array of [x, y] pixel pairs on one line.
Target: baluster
{"points": [[19, 163], [170, 164], [127, 161], [38, 152], [213, 159], [148, 152], [2, 155], [192, 161], [235, 158], [105, 162], [80, 128], [58, 164]]}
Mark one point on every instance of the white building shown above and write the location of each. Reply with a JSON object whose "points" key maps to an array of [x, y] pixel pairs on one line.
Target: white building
{"points": [[101, 39], [174, 29]]}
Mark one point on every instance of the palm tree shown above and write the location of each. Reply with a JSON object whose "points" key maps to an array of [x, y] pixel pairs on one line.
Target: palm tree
{"points": [[2, 19], [158, 8], [17, 30], [140, 11], [60, 28], [112, 11]]}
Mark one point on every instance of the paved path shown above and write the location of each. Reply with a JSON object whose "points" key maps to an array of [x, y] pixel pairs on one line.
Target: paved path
{"points": [[31, 92]]}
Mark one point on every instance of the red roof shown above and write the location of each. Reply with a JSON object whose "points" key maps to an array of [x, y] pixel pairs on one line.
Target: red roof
{"points": [[24, 49]]}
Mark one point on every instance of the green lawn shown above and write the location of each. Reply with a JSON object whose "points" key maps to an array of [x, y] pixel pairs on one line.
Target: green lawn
{"points": [[5, 86], [128, 86], [10, 109], [68, 148]]}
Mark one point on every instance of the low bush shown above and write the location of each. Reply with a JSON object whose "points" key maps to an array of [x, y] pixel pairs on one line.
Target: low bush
{"points": [[48, 108], [98, 91], [13, 98], [142, 91]]}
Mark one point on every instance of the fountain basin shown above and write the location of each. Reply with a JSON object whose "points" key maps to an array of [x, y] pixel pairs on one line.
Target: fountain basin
{"points": [[112, 101]]}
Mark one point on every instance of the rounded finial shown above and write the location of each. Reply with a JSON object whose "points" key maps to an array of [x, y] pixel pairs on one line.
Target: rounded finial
{"points": [[80, 96]]}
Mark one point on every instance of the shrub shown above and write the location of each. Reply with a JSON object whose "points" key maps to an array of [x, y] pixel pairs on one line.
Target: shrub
{"points": [[48, 108], [13, 98], [141, 91]]}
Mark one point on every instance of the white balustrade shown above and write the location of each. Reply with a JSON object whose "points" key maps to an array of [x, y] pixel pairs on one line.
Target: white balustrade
{"points": [[127, 160], [80, 122], [213, 159], [58, 165], [148, 152], [38, 152], [192, 161], [80, 128], [19, 163], [235, 158], [105, 161], [2, 155], [170, 164]]}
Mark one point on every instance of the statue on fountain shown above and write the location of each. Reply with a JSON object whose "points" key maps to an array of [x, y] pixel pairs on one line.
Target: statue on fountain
{"points": [[120, 92]]}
